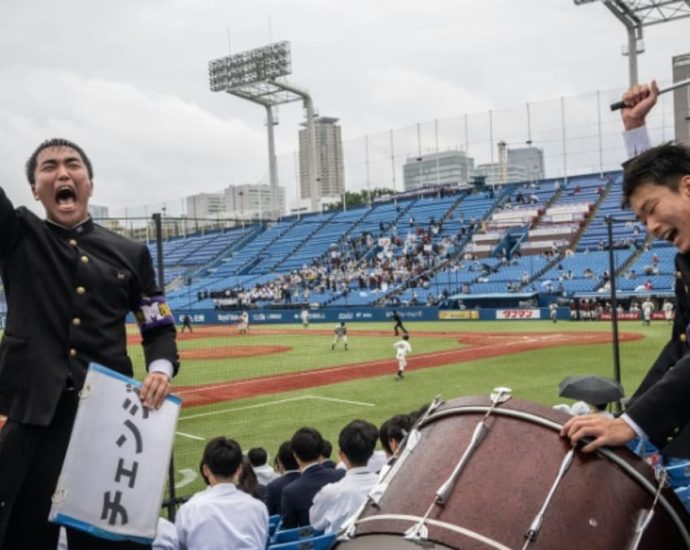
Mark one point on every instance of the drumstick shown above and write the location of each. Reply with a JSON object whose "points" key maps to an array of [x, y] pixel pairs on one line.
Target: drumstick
{"points": [[620, 104]]}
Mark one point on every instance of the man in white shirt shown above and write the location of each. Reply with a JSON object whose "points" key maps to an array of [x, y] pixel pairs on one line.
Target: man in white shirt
{"points": [[222, 516], [336, 502]]}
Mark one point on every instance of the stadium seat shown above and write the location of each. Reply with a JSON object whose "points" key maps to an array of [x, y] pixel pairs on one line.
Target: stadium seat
{"points": [[321, 542], [298, 533], [273, 523], [678, 472]]}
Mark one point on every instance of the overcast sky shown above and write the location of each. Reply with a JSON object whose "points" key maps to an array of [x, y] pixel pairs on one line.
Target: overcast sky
{"points": [[128, 80]]}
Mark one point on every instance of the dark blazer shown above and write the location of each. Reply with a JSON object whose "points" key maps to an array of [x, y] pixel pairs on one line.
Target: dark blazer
{"points": [[274, 491], [298, 496], [68, 293], [660, 404]]}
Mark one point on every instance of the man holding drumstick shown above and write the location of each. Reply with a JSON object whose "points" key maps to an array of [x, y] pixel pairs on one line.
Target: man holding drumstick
{"points": [[657, 188]]}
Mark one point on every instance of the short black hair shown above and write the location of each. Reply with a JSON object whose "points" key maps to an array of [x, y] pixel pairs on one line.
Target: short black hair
{"points": [[307, 444], [223, 456], [54, 142], [398, 427], [663, 165], [357, 440], [326, 449], [383, 437], [285, 456], [257, 456]]}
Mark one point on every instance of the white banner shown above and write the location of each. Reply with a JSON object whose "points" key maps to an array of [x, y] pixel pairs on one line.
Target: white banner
{"points": [[518, 314], [112, 480]]}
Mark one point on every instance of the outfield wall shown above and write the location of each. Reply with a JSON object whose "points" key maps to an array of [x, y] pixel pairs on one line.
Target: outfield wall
{"points": [[364, 314]]}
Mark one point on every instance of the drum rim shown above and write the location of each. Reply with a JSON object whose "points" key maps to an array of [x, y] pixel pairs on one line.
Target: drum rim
{"points": [[523, 415], [436, 523]]}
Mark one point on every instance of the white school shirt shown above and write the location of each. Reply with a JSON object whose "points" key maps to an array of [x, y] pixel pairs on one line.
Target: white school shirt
{"points": [[265, 474], [222, 516], [336, 502]]}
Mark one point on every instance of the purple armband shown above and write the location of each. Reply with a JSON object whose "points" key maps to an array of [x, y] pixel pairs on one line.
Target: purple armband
{"points": [[153, 312]]}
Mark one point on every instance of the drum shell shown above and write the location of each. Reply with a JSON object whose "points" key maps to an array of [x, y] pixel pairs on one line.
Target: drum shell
{"points": [[506, 481]]}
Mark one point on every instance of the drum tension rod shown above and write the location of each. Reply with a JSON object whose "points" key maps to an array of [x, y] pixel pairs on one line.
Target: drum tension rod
{"points": [[535, 526], [645, 516]]}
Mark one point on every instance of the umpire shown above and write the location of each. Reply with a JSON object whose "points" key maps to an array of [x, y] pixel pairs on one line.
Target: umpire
{"points": [[69, 285]]}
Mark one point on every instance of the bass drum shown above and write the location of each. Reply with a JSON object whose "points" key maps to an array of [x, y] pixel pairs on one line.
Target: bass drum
{"points": [[519, 488]]}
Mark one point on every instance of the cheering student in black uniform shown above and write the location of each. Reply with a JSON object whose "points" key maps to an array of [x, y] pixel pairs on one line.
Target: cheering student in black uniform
{"points": [[398, 323], [69, 285], [657, 188]]}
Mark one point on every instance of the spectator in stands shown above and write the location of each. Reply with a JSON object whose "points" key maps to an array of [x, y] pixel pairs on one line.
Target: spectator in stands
{"points": [[393, 431], [289, 472], [258, 457], [249, 483], [336, 502], [210, 519], [307, 446]]}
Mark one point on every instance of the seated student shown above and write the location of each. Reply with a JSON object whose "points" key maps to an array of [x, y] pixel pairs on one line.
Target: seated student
{"points": [[307, 445], [222, 516], [289, 470], [336, 502], [259, 458], [249, 483], [326, 452], [398, 427], [166, 536], [393, 431]]}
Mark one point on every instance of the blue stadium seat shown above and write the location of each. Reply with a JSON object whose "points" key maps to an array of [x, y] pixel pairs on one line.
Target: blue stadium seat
{"points": [[298, 533], [322, 542]]}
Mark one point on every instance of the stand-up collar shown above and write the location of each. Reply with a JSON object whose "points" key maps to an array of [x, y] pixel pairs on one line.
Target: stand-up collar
{"points": [[81, 228]]}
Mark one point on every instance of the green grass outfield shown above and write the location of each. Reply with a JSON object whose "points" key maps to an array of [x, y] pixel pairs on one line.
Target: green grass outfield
{"points": [[267, 420]]}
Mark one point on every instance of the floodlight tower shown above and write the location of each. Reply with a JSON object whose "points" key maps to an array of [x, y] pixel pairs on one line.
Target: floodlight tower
{"points": [[253, 75], [637, 14]]}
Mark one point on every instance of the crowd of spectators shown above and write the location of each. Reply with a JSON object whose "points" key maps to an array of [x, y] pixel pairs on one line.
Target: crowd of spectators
{"points": [[304, 487]]}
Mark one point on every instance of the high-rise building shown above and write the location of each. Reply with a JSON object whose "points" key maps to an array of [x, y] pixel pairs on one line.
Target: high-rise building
{"points": [[446, 168], [329, 159], [681, 98]]}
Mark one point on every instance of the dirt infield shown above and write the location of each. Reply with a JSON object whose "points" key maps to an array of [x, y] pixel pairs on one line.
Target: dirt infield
{"points": [[477, 346]]}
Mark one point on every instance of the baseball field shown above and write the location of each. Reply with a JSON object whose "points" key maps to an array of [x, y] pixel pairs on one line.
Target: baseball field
{"points": [[258, 388]]}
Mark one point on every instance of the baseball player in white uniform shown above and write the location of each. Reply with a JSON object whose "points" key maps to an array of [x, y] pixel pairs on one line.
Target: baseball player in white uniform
{"points": [[402, 348], [340, 335]]}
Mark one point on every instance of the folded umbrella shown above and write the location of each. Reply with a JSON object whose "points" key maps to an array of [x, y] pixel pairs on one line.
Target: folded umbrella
{"points": [[592, 389]]}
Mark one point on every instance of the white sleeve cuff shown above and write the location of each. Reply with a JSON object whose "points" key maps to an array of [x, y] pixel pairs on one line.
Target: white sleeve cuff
{"points": [[630, 422], [636, 141], [162, 365]]}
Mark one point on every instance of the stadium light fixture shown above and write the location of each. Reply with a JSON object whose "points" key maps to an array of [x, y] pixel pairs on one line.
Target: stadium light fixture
{"points": [[637, 14], [250, 67], [253, 75]]}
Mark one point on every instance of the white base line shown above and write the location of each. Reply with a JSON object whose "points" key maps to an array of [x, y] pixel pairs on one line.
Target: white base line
{"points": [[190, 436], [278, 402]]}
